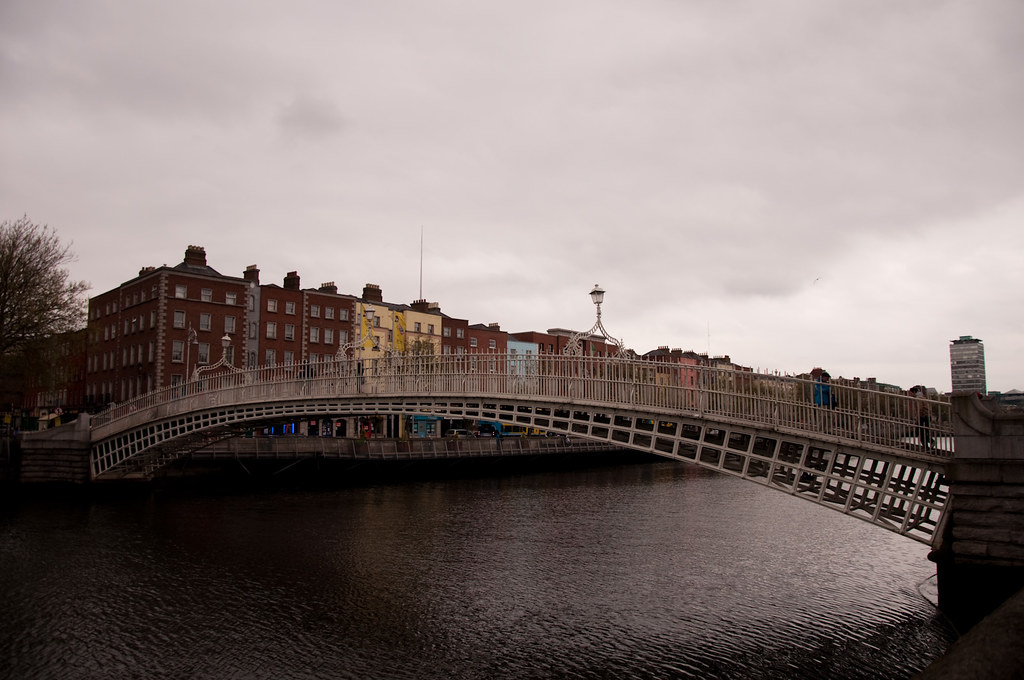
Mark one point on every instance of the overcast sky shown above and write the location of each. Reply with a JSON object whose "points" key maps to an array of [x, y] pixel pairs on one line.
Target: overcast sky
{"points": [[794, 183]]}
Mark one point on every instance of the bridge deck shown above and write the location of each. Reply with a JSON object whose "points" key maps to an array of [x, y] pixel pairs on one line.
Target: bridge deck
{"points": [[872, 454]]}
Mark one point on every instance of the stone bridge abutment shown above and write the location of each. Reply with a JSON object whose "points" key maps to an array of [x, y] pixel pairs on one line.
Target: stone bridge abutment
{"points": [[979, 551]]}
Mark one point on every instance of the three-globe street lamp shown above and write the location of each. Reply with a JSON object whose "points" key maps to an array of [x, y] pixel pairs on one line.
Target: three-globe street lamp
{"points": [[575, 345]]}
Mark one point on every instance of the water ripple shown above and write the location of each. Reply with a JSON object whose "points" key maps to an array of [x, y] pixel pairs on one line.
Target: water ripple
{"points": [[655, 571]]}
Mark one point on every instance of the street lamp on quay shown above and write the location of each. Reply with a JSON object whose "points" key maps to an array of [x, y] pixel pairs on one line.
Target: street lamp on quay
{"points": [[575, 346]]}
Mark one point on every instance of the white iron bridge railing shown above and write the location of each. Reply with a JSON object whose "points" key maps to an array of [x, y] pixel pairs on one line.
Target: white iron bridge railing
{"points": [[872, 418]]}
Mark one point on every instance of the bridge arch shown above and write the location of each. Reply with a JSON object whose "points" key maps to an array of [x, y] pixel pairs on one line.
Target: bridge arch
{"points": [[860, 458]]}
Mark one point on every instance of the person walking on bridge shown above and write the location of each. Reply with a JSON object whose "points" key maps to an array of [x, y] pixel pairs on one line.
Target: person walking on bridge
{"points": [[823, 399], [920, 414]]}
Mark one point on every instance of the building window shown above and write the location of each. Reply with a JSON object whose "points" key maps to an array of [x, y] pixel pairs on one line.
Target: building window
{"points": [[289, 331], [416, 327], [314, 358], [446, 332], [231, 298], [328, 312], [472, 342], [152, 319], [271, 357], [342, 315], [229, 324], [492, 344], [342, 336], [289, 307], [204, 353], [289, 358], [328, 336], [206, 295], [460, 332], [181, 291], [177, 352], [204, 321], [179, 318], [271, 305], [271, 330], [314, 311], [152, 351], [430, 328], [314, 334]]}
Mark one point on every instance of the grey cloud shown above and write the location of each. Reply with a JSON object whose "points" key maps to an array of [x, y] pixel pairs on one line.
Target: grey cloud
{"points": [[311, 118]]}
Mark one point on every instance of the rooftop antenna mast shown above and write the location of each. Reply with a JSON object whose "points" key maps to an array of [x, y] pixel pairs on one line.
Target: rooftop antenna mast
{"points": [[421, 262]]}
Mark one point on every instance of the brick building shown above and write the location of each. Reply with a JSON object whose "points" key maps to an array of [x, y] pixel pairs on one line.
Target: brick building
{"points": [[155, 330]]}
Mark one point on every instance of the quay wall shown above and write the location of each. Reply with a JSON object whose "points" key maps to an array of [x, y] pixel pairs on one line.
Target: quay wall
{"points": [[56, 456]]}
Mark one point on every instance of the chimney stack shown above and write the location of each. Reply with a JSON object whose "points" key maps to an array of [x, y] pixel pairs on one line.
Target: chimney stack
{"points": [[291, 281], [329, 287], [195, 256], [252, 274], [372, 293]]}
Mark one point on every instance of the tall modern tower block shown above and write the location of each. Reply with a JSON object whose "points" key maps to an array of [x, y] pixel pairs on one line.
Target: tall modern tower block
{"points": [[967, 364]]}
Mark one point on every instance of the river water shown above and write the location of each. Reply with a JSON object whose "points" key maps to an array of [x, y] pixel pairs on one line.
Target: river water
{"points": [[656, 570]]}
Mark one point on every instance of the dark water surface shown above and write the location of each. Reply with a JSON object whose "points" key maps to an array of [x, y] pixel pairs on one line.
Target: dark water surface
{"points": [[636, 571]]}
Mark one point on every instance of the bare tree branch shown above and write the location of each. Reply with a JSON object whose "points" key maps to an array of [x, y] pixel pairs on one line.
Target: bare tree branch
{"points": [[37, 297]]}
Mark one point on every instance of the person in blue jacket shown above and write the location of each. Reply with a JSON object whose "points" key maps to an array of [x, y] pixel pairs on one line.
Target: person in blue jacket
{"points": [[823, 391]]}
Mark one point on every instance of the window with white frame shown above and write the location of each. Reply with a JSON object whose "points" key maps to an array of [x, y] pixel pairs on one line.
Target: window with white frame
{"points": [[289, 307], [231, 298], [203, 356], [328, 336], [179, 318], [472, 342], [328, 312], [206, 295], [314, 334], [177, 352], [181, 291], [492, 344], [271, 357], [229, 324], [289, 358], [289, 331], [314, 311], [204, 321], [460, 332], [271, 305], [271, 330]]}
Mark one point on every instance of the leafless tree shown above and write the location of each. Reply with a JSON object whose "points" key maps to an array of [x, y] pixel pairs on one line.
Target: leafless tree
{"points": [[37, 297]]}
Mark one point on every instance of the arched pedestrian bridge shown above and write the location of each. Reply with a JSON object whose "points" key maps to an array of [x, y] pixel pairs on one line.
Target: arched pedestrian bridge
{"points": [[866, 456]]}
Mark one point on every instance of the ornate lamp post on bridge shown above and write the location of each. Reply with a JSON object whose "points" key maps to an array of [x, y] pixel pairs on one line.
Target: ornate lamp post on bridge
{"points": [[342, 353], [575, 347], [225, 343]]}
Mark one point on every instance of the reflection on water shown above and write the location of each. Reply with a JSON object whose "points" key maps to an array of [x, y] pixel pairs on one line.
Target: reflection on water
{"points": [[640, 571]]}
